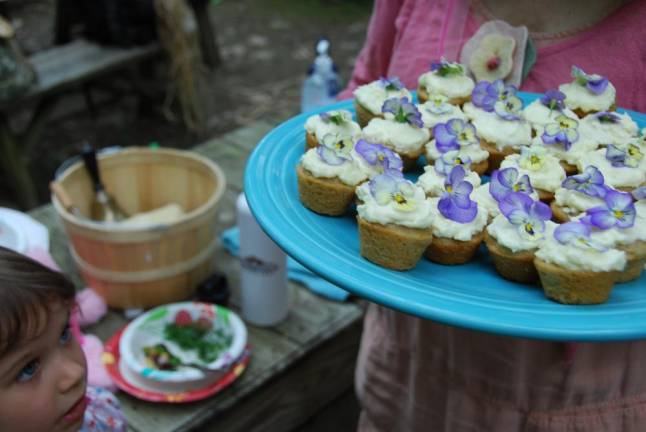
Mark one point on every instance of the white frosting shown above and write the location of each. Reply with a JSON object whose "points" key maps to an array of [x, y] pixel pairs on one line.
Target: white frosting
{"points": [[455, 86], [549, 177], [507, 234], [498, 131], [575, 258], [446, 228], [317, 127], [474, 152], [574, 202], [608, 133], [578, 148], [433, 183], [483, 197], [430, 119], [348, 172], [614, 176], [371, 211], [578, 96], [538, 115], [372, 96], [401, 137]]}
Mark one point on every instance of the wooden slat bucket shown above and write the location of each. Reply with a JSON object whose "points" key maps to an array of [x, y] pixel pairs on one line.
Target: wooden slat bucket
{"points": [[133, 266]]}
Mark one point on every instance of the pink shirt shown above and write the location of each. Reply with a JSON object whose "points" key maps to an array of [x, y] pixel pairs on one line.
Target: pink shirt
{"points": [[403, 39]]}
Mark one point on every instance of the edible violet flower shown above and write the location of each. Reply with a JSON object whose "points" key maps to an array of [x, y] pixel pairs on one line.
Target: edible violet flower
{"points": [[336, 117], [455, 203], [619, 211], [629, 155], [554, 100], [532, 158], [576, 234], [485, 94], [404, 111], [506, 181], [335, 150], [388, 189], [438, 104], [509, 108], [454, 134], [563, 131], [444, 68], [391, 84], [379, 156], [527, 215], [593, 82], [607, 117], [589, 182], [639, 193], [445, 163]]}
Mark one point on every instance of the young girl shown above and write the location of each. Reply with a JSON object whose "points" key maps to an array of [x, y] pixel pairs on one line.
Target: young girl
{"points": [[42, 368]]}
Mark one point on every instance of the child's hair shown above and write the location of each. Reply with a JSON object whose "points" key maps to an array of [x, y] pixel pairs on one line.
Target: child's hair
{"points": [[27, 289]]}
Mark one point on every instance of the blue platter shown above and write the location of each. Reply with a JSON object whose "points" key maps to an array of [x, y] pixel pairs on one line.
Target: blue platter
{"points": [[470, 295]]}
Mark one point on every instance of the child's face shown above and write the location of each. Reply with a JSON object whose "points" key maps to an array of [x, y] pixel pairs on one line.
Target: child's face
{"points": [[42, 380]]}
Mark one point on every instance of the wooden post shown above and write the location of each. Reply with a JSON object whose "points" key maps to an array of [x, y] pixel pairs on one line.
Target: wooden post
{"points": [[208, 42]]}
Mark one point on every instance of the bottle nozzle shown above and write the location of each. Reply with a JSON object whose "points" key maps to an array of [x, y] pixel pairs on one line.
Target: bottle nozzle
{"points": [[322, 46]]}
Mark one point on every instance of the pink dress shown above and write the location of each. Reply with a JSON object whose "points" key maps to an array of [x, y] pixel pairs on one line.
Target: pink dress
{"points": [[415, 374]]}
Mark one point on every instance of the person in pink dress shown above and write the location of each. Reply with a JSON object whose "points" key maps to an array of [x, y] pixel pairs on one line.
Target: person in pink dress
{"points": [[419, 375]]}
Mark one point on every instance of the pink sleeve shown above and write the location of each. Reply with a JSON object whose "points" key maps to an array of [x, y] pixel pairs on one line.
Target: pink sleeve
{"points": [[374, 58]]}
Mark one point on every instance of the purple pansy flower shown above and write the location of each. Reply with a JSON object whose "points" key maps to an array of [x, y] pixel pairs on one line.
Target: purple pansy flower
{"points": [[336, 117], [445, 163], [563, 131], [404, 111], [485, 94], [607, 117], [335, 149], [639, 193], [444, 67], [527, 215], [391, 84], [593, 82], [438, 104], [454, 134], [505, 181], [576, 234], [392, 189], [509, 108], [619, 211], [629, 155], [455, 203], [554, 100], [589, 182], [379, 156]]}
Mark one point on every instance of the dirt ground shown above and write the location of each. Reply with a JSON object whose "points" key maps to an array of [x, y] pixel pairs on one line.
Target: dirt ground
{"points": [[266, 47]]}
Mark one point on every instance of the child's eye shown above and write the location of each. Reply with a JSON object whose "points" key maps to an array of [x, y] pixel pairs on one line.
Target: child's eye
{"points": [[28, 372], [66, 335]]}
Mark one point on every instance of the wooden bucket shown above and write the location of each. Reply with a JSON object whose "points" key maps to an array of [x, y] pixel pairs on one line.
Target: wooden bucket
{"points": [[132, 267]]}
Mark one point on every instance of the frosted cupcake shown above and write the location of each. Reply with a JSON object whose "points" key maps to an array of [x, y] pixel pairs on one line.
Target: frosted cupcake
{"points": [[369, 98], [574, 269], [327, 177], [435, 178], [458, 223], [401, 129], [375, 159], [607, 127], [514, 236], [502, 183], [394, 220], [438, 110], [562, 140], [579, 193], [621, 165], [458, 135], [446, 78], [588, 93], [336, 125], [544, 170], [546, 109]]}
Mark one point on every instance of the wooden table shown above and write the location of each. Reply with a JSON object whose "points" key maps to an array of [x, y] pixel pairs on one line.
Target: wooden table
{"points": [[297, 367]]}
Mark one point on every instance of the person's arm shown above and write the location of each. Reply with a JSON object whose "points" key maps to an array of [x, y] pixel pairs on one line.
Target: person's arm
{"points": [[374, 58]]}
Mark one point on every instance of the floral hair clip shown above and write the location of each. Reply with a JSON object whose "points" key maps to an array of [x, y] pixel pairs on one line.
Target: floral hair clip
{"points": [[454, 134], [607, 117], [577, 234], [639, 193], [618, 211], [438, 104], [593, 82], [589, 182], [445, 163], [455, 203], [563, 131], [506, 181], [445, 68], [554, 100], [391, 84], [485, 94], [336, 117], [404, 111], [335, 150], [509, 108], [379, 156], [527, 215], [388, 189], [629, 155], [532, 158]]}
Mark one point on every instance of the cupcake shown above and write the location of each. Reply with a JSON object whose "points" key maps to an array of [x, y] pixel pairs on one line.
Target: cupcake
{"points": [[546, 109], [588, 93], [337, 125], [562, 140], [502, 183], [495, 111], [608, 127], [375, 159], [438, 110], [458, 222], [622, 166], [369, 98], [579, 193], [458, 135], [434, 179], [544, 170], [574, 269], [327, 178], [515, 234], [401, 129], [394, 221], [448, 79]]}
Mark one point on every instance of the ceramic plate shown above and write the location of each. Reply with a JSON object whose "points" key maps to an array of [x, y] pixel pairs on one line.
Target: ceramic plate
{"points": [[470, 295]]}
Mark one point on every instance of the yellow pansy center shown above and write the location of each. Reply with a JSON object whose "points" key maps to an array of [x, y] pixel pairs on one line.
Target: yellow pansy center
{"points": [[618, 214]]}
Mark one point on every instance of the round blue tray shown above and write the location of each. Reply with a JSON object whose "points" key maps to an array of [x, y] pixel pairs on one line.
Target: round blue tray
{"points": [[470, 295]]}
